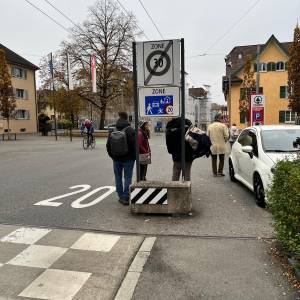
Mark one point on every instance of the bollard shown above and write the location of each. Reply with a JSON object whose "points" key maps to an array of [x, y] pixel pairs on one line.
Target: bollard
{"points": [[161, 197]]}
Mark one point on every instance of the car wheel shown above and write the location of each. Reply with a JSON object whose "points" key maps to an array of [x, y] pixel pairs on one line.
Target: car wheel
{"points": [[231, 171], [259, 191]]}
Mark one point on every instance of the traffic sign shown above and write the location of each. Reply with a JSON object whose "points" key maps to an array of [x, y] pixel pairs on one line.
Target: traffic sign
{"points": [[158, 63], [258, 100], [257, 109], [159, 102]]}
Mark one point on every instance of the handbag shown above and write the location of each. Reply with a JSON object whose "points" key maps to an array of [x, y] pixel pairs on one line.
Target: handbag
{"points": [[145, 159]]}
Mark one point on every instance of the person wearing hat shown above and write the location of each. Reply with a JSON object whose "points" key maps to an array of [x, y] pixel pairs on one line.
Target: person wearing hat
{"points": [[144, 148], [219, 136]]}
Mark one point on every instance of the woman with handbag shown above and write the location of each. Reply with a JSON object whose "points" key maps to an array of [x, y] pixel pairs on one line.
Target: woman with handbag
{"points": [[144, 148]]}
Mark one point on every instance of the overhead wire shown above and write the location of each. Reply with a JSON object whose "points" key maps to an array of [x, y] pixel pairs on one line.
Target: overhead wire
{"points": [[229, 29], [148, 14], [49, 17]]}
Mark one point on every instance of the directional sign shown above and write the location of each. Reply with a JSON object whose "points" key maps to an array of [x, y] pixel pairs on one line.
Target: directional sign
{"points": [[158, 63], [159, 102]]}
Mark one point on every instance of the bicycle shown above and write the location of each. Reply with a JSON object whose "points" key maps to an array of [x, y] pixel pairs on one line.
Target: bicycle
{"points": [[88, 141]]}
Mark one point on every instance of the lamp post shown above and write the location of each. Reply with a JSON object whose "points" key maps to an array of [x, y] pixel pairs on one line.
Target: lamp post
{"points": [[228, 70]]}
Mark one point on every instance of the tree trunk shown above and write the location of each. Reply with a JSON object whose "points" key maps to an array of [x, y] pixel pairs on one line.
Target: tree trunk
{"points": [[8, 130], [102, 116]]}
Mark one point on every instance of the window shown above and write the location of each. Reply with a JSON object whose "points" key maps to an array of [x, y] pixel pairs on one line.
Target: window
{"points": [[283, 92], [243, 117], [287, 116], [248, 138], [262, 67], [19, 72], [242, 94], [271, 66], [280, 66], [21, 94], [22, 114]]}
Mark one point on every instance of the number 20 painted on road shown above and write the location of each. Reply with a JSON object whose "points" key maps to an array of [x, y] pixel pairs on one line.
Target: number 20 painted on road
{"points": [[78, 202]]}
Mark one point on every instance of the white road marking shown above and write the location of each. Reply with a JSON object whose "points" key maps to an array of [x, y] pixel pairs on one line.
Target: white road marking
{"points": [[38, 256], [56, 285], [25, 235], [77, 203], [96, 242], [49, 202], [130, 281]]}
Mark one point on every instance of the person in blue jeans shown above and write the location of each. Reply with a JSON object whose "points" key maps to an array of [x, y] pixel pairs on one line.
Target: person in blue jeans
{"points": [[121, 148]]}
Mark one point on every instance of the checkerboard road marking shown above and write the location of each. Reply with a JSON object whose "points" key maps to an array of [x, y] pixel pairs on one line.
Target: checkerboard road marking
{"points": [[38, 256], [56, 285], [25, 235], [96, 242]]}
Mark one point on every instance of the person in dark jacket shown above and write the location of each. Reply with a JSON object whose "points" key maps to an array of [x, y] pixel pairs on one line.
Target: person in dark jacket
{"points": [[125, 162], [173, 141], [144, 147]]}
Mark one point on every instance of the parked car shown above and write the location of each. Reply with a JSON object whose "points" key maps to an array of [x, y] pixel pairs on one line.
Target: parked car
{"points": [[255, 153]]}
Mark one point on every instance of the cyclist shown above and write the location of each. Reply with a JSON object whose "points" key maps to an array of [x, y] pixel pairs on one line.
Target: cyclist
{"points": [[87, 126]]}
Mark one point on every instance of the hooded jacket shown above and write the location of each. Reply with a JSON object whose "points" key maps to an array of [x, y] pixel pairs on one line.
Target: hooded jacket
{"points": [[173, 140], [120, 125]]}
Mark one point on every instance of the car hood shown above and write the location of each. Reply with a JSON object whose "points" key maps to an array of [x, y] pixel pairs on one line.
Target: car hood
{"points": [[281, 156]]}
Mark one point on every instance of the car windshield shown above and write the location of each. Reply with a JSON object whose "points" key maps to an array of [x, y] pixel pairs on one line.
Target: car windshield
{"points": [[285, 140]]}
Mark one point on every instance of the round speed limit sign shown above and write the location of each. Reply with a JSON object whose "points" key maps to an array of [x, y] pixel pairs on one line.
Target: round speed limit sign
{"points": [[158, 63]]}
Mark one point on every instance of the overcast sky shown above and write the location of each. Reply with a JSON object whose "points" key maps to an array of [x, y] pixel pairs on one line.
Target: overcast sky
{"points": [[201, 22]]}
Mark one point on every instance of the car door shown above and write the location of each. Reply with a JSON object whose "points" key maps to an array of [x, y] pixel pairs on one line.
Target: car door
{"points": [[247, 162]]}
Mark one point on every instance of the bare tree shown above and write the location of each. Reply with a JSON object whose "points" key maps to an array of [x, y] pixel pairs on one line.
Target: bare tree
{"points": [[7, 99], [107, 33]]}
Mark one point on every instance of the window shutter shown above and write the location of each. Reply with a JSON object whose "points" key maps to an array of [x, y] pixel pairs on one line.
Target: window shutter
{"points": [[242, 118], [242, 94], [269, 66], [281, 116], [255, 67], [282, 91]]}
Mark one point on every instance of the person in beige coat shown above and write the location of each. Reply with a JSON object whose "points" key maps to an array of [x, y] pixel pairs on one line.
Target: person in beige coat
{"points": [[219, 136]]}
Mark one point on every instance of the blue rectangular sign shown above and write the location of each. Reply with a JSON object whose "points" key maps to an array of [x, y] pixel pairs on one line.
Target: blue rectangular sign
{"points": [[159, 105]]}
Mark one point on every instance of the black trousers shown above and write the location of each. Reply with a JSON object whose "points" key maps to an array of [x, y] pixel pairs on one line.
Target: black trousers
{"points": [[214, 159], [143, 172]]}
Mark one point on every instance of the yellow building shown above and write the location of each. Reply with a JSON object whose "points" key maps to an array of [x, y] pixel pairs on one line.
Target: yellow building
{"points": [[273, 77], [24, 84]]}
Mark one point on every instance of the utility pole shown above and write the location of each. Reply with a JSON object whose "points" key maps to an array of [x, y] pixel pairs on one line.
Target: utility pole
{"points": [[50, 60], [228, 69], [257, 69]]}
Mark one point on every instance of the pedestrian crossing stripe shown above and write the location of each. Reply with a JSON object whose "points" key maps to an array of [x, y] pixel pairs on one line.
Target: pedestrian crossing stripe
{"points": [[149, 196]]}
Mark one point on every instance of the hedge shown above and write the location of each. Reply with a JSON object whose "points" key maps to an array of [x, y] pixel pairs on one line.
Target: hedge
{"points": [[284, 201]]}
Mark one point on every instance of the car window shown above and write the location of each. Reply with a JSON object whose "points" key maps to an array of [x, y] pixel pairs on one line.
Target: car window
{"points": [[248, 138]]}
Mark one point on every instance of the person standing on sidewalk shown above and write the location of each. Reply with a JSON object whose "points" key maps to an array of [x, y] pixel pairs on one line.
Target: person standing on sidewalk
{"points": [[233, 134], [173, 141], [219, 136], [144, 148], [121, 148]]}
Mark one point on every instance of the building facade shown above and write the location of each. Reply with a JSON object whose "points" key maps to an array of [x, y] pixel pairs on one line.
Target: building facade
{"points": [[273, 77], [24, 85]]}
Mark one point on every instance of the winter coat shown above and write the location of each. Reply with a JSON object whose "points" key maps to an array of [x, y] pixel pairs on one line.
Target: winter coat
{"points": [[204, 144], [130, 136], [219, 135], [173, 140], [144, 146]]}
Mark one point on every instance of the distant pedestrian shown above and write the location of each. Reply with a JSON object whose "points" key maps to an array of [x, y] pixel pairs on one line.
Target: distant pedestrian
{"points": [[144, 148], [173, 140], [121, 148], [233, 134], [219, 136]]}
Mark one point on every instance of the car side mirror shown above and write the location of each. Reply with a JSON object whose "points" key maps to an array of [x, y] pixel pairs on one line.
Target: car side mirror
{"points": [[248, 149]]}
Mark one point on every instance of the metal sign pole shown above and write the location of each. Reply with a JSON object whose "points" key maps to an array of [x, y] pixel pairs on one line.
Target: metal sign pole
{"points": [[182, 110], [136, 113]]}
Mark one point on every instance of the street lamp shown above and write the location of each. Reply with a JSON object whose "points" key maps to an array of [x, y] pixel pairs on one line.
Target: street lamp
{"points": [[228, 68]]}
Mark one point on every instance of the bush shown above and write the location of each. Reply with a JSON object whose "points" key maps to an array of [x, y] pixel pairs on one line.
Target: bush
{"points": [[284, 198]]}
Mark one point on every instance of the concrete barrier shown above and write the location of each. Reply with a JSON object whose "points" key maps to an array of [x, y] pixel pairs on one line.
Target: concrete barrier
{"points": [[161, 197]]}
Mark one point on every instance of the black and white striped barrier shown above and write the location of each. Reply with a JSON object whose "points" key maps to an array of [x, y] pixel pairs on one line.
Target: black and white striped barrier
{"points": [[172, 197]]}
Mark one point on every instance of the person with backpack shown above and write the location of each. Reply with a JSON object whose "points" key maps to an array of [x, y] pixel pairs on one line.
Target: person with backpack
{"points": [[173, 141], [144, 148], [121, 148]]}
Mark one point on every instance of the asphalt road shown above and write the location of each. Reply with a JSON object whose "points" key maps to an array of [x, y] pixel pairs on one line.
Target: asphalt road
{"points": [[34, 169]]}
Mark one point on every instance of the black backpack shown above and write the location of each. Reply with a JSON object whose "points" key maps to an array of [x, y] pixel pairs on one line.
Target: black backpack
{"points": [[118, 142]]}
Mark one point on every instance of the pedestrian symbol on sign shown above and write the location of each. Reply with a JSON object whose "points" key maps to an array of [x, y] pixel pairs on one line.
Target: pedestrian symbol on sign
{"points": [[159, 105]]}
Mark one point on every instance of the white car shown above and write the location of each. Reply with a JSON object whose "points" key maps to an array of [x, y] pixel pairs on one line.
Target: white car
{"points": [[255, 153]]}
